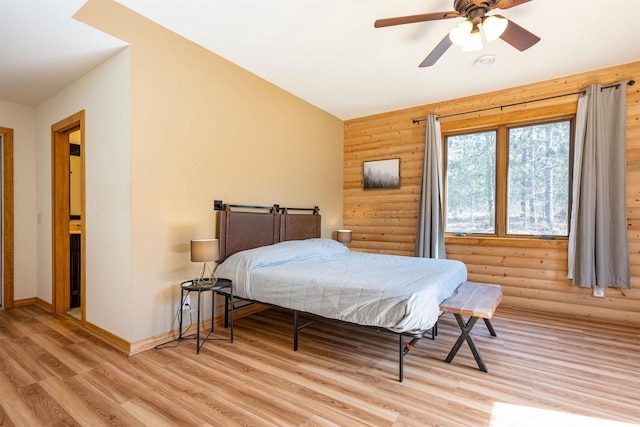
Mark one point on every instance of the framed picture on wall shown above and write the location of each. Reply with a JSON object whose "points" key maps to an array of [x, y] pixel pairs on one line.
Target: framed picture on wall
{"points": [[381, 174]]}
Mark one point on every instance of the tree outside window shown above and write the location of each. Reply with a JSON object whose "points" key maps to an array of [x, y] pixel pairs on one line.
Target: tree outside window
{"points": [[538, 186], [531, 197], [471, 182]]}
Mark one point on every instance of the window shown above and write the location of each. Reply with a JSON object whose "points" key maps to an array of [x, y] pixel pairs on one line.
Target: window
{"points": [[471, 182], [538, 185], [509, 180]]}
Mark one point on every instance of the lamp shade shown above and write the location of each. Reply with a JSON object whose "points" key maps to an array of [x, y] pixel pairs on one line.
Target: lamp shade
{"points": [[344, 236], [474, 43], [493, 27], [204, 250], [460, 34]]}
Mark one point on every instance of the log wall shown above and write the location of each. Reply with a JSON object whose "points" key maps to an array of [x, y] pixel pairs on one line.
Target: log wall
{"points": [[532, 272]]}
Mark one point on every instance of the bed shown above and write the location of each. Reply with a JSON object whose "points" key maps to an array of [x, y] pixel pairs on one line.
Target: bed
{"points": [[278, 258]]}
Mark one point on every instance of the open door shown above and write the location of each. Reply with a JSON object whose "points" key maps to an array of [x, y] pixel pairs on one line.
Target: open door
{"points": [[6, 136], [64, 225]]}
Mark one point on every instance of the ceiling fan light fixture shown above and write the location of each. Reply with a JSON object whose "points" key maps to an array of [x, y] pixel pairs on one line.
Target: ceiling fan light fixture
{"points": [[461, 33], [474, 43], [493, 27], [477, 25]]}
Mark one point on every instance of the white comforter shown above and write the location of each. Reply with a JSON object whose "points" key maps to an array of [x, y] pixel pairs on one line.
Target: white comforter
{"points": [[323, 277]]}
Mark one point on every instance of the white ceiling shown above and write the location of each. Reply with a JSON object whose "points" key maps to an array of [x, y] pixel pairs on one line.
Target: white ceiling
{"points": [[326, 51], [43, 49]]}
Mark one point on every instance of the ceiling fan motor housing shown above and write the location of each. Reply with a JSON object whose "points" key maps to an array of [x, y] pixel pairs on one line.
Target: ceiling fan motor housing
{"points": [[474, 8]]}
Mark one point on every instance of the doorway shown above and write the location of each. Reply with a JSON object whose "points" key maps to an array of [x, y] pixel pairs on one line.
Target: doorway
{"points": [[68, 216], [6, 222], [1, 258]]}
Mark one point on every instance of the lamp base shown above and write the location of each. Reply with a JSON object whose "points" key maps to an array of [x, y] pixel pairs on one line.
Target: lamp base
{"points": [[205, 281]]}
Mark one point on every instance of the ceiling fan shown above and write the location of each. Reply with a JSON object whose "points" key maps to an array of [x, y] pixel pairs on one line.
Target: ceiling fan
{"points": [[468, 34]]}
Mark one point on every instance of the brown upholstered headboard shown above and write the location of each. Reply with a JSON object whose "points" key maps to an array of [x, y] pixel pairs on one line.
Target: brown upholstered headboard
{"points": [[246, 228]]}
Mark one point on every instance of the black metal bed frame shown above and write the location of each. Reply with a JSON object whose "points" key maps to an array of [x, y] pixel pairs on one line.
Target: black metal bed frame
{"points": [[403, 349]]}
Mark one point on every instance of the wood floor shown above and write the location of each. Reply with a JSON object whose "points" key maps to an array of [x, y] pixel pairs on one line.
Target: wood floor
{"points": [[543, 371]]}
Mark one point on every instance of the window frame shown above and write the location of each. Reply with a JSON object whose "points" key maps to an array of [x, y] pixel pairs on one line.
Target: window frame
{"points": [[502, 166], [445, 169]]}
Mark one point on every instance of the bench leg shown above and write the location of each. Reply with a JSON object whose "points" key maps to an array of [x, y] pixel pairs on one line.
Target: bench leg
{"points": [[490, 327], [466, 336]]}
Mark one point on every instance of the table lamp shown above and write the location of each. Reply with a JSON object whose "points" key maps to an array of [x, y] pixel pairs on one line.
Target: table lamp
{"points": [[344, 236], [204, 250]]}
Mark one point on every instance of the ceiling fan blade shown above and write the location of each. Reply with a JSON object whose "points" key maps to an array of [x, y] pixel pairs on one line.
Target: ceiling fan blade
{"points": [[437, 52], [415, 18], [518, 37], [506, 4]]}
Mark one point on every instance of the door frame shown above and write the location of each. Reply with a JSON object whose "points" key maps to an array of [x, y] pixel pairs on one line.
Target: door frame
{"points": [[7, 216], [60, 214]]}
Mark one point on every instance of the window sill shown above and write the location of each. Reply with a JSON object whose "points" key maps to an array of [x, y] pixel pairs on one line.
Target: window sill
{"points": [[508, 241]]}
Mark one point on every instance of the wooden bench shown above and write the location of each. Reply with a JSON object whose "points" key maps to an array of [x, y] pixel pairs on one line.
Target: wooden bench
{"points": [[479, 301]]}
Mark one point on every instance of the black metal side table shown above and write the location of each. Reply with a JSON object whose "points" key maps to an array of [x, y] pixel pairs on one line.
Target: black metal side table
{"points": [[221, 286]]}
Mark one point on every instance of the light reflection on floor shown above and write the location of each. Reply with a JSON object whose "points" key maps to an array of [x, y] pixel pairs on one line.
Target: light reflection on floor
{"points": [[508, 415], [75, 312]]}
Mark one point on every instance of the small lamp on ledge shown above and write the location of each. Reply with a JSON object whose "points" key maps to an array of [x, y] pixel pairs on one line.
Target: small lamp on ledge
{"points": [[204, 250], [344, 236]]}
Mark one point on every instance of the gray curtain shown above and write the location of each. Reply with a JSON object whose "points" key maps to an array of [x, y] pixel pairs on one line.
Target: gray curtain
{"points": [[430, 231], [598, 246]]}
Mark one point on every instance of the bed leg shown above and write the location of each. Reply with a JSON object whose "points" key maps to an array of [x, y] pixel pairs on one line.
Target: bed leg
{"points": [[226, 311], [404, 349], [295, 330], [401, 360]]}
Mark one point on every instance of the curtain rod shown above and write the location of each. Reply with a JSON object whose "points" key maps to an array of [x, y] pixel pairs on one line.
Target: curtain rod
{"points": [[581, 92]]}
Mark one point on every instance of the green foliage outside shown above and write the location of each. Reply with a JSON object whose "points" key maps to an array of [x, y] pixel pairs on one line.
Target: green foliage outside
{"points": [[471, 183], [537, 184]]}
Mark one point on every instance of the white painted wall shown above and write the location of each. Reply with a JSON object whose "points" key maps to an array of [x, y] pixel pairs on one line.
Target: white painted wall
{"points": [[21, 119], [205, 129], [105, 95], [169, 128]]}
